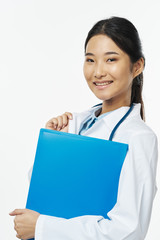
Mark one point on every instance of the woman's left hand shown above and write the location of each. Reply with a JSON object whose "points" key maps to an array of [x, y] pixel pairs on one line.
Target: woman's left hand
{"points": [[25, 223]]}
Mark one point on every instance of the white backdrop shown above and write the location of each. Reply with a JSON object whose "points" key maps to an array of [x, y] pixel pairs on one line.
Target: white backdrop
{"points": [[41, 60]]}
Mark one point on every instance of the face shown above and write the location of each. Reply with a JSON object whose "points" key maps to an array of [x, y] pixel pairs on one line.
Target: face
{"points": [[108, 70]]}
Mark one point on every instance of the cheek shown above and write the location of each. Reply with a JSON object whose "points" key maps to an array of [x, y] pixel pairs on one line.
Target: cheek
{"points": [[122, 73], [87, 72], [126, 75], [116, 70]]}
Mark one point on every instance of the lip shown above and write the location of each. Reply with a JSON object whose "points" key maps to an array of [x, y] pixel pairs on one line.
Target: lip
{"points": [[103, 86]]}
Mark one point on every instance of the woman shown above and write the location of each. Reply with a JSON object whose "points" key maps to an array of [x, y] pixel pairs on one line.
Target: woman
{"points": [[113, 69]]}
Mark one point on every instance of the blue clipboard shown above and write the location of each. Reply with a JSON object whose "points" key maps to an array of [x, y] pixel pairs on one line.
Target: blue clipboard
{"points": [[75, 175]]}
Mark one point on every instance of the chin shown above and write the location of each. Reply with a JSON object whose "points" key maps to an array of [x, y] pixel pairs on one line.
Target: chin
{"points": [[103, 98]]}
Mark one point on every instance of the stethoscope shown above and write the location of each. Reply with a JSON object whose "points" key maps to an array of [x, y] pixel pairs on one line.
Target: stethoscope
{"points": [[120, 121]]}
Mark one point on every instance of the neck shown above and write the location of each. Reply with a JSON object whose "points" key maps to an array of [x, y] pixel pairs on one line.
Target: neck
{"points": [[109, 106]]}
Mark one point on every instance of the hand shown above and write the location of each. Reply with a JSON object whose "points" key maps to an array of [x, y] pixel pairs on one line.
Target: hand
{"points": [[60, 123], [25, 223]]}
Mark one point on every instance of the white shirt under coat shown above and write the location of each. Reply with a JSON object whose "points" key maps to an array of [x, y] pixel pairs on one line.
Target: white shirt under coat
{"points": [[131, 214]]}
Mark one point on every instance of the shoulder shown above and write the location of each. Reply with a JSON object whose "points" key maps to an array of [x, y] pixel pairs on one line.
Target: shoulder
{"points": [[141, 137], [142, 141], [135, 128], [138, 128]]}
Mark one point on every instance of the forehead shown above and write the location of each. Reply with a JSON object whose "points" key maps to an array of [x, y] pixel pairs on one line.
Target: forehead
{"points": [[100, 44]]}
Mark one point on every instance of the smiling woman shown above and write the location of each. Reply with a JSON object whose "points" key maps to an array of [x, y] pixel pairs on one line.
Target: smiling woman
{"points": [[109, 72], [113, 69], [113, 53]]}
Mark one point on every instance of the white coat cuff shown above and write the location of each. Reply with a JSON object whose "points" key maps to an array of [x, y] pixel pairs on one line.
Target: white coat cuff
{"points": [[40, 225]]}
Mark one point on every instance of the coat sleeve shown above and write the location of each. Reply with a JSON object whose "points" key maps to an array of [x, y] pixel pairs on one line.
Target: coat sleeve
{"points": [[130, 216]]}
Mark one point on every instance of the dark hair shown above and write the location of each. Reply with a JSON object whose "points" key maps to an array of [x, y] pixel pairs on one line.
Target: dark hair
{"points": [[126, 36]]}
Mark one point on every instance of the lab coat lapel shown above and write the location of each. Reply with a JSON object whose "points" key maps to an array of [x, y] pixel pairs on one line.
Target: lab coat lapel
{"points": [[78, 119]]}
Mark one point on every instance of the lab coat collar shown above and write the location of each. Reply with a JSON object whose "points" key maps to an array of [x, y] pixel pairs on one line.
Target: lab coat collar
{"points": [[112, 119]]}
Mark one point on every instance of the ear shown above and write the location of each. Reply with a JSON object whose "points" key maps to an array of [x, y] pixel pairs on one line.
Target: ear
{"points": [[138, 67]]}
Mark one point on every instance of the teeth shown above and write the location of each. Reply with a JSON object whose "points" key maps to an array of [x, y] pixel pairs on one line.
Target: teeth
{"points": [[102, 84]]}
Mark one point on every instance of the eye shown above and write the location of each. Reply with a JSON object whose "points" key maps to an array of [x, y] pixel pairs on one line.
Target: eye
{"points": [[89, 60], [111, 59]]}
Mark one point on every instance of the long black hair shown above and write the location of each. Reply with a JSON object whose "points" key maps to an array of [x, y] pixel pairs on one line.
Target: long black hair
{"points": [[126, 36]]}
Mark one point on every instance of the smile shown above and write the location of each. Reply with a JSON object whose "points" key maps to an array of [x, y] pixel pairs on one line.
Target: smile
{"points": [[103, 83]]}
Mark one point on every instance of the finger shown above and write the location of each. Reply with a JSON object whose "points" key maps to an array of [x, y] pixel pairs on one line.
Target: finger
{"points": [[65, 120], [60, 123], [52, 124], [15, 228], [49, 125], [17, 212], [18, 236], [65, 129], [70, 116], [17, 219]]}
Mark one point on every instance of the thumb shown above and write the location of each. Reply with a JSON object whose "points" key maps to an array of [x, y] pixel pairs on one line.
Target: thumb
{"points": [[17, 212]]}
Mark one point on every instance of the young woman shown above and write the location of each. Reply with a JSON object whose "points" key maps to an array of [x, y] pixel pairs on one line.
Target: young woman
{"points": [[113, 69]]}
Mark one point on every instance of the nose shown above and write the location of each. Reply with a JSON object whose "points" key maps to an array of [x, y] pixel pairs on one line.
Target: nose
{"points": [[100, 71]]}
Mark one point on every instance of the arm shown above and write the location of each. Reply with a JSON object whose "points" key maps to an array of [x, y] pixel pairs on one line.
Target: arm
{"points": [[130, 217]]}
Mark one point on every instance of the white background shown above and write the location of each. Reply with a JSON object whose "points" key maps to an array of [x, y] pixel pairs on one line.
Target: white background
{"points": [[41, 61]]}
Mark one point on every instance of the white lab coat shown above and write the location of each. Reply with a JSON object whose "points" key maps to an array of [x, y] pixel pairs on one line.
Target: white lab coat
{"points": [[130, 216]]}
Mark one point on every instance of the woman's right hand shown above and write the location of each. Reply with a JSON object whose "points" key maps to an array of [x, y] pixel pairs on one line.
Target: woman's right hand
{"points": [[59, 123]]}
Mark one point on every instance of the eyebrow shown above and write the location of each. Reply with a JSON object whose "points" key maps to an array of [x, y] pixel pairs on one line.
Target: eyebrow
{"points": [[106, 53]]}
